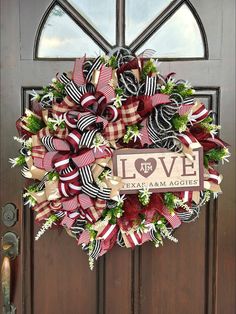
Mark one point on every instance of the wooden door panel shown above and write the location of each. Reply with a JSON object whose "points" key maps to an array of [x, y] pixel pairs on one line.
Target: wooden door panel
{"points": [[173, 276], [62, 280], [118, 281]]}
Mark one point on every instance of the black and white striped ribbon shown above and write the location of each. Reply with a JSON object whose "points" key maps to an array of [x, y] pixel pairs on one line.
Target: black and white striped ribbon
{"points": [[129, 84], [67, 170], [96, 249], [187, 217], [85, 121], [78, 227], [95, 66], [89, 187], [60, 214], [160, 128], [188, 101], [63, 78], [47, 141], [120, 241], [153, 235], [41, 184], [74, 91], [151, 85], [87, 137]]}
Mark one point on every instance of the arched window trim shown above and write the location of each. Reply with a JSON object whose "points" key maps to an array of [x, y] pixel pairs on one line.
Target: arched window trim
{"points": [[120, 29]]}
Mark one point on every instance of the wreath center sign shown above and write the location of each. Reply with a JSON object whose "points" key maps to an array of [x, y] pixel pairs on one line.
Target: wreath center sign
{"points": [[158, 170], [116, 153]]}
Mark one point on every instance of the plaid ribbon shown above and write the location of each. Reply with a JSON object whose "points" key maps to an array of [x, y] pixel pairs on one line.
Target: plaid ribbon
{"points": [[128, 116]]}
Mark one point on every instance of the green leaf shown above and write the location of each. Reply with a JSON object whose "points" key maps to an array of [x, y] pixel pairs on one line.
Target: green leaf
{"points": [[149, 67]]}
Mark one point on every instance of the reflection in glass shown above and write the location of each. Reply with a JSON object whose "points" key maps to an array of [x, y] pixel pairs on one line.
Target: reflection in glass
{"points": [[179, 37], [100, 14], [139, 14], [62, 37]]}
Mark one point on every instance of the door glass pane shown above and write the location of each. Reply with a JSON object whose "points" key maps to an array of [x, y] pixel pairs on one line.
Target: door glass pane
{"points": [[100, 14], [62, 37], [179, 37], [139, 14]]}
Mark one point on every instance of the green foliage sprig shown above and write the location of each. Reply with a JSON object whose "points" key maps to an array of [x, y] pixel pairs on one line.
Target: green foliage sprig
{"points": [[33, 123], [47, 225], [208, 125], [169, 200], [111, 62], [149, 67], [58, 122], [179, 123], [171, 87], [113, 213], [17, 161], [52, 176], [132, 133], [144, 196], [215, 155]]}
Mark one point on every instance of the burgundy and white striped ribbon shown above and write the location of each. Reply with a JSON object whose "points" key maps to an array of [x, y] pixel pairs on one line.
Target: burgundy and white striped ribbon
{"points": [[43, 210], [186, 196], [134, 238], [188, 140], [85, 201], [84, 237], [74, 139], [74, 187], [87, 100], [144, 139], [158, 99], [214, 176], [70, 176], [199, 114], [61, 161], [108, 232], [84, 159], [104, 77], [71, 118]]}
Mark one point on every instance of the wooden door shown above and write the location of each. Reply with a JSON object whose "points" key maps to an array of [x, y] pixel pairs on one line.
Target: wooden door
{"points": [[51, 276]]}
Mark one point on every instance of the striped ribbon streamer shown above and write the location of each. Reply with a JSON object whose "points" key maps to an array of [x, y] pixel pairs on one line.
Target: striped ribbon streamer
{"points": [[200, 113], [188, 140], [90, 188], [96, 249], [173, 219], [151, 85]]}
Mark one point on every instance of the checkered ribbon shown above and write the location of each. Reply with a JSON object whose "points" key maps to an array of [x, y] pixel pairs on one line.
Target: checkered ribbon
{"points": [[128, 116]]}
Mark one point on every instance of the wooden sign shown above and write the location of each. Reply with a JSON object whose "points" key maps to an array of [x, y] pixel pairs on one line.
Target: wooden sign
{"points": [[158, 169]]}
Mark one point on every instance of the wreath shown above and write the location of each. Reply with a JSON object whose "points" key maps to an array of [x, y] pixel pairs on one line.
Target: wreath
{"points": [[77, 122]]}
